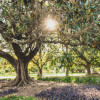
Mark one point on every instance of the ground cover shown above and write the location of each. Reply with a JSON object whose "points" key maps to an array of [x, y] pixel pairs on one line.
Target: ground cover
{"points": [[50, 90], [73, 79], [17, 98]]}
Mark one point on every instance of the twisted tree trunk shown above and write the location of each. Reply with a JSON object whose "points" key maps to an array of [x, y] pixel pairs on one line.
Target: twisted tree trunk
{"points": [[22, 77], [20, 65]]}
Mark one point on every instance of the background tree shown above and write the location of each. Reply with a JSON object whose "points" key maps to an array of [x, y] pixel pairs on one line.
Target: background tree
{"points": [[44, 55], [67, 60], [88, 55]]}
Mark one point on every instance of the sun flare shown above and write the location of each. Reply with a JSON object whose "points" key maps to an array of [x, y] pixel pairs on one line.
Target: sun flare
{"points": [[50, 24]]}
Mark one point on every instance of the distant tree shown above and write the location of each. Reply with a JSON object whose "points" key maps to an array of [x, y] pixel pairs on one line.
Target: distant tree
{"points": [[88, 56], [43, 56], [67, 60]]}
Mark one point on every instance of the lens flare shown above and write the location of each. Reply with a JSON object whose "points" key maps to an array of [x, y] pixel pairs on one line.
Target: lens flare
{"points": [[50, 24]]}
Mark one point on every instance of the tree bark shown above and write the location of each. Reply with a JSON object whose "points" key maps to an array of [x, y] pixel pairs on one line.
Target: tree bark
{"points": [[88, 69], [67, 71], [22, 77], [39, 72], [20, 64]]}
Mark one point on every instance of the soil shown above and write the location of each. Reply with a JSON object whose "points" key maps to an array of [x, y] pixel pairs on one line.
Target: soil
{"points": [[92, 92]]}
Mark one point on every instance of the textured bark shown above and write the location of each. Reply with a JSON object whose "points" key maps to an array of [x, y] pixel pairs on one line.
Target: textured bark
{"points": [[24, 54], [88, 70], [39, 72], [22, 77]]}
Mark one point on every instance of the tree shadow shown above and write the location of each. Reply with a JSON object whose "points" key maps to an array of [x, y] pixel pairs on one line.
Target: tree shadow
{"points": [[9, 91], [79, 92]]}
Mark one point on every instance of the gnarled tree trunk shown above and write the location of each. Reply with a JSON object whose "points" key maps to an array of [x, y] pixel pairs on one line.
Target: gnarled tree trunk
{"points": [[22, 77], [24, 52], [20, 65]]}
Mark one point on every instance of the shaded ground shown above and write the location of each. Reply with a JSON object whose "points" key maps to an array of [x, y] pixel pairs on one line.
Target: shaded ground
{"points": [[58, 91]]}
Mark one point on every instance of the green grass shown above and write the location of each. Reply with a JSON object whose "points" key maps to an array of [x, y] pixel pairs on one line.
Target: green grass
{"points": [[34, 75], [72, 79], [17, 98], [76, 73]]}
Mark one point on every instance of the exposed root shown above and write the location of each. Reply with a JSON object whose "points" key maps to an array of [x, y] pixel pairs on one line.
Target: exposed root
{"points": [[18, 83], [30, 79], [11, 83]]}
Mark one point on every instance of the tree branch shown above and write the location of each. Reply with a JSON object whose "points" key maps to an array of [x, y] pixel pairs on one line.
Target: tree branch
{"points": [[8, 57], [33, 52], [17, 50], [81, 56]]}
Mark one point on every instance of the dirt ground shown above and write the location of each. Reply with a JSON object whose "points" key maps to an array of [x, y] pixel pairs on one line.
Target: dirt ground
{"points": [[33, 88], [91, 91]]}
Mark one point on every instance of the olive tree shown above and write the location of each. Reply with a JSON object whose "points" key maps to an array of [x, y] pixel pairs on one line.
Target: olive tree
{"points": [[21, 35]]}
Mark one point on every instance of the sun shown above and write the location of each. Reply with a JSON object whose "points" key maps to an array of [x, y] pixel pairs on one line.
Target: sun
{"points": [[50, 24]]}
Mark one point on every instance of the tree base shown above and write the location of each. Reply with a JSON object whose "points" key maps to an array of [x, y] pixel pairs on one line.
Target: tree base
{"points": [[18, 83]]}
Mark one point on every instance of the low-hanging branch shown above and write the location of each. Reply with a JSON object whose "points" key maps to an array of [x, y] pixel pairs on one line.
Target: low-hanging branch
{"points": [[8, 57]]}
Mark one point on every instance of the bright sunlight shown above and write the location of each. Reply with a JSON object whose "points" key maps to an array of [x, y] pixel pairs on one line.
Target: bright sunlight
{"points": [[51, 24]]}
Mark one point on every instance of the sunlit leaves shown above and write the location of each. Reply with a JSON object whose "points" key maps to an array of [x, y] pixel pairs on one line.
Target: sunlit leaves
{"points": [[58, 5], [40, 0], [88, 36], [59, 2], [73, 1], [19, 0], [78, 13], [46, 3]]}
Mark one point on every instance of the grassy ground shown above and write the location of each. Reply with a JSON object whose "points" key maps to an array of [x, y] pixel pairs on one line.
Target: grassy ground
{"points": [[17, 98], [56, 91], [73, 79], [45, 74], [55, 85]]}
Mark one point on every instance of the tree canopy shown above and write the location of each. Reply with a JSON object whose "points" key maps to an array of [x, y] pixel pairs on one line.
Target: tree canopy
{"points": [[23, 30]]}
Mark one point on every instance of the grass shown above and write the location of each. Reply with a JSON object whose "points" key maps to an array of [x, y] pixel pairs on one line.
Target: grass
{"points": [[34, 75], [73, 79], [17, 98]]}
